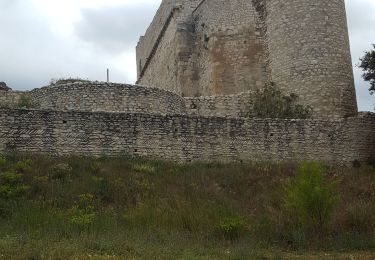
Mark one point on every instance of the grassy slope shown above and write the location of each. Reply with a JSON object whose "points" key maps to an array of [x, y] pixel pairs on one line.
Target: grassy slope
{"points": [[134, 208]]}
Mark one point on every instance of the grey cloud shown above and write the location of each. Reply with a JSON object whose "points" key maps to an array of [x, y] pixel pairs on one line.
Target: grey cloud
{"points": [[31, 53], [115, 29]]}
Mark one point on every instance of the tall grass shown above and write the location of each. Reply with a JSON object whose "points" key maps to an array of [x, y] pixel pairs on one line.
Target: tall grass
{"points": [[136, 208]]}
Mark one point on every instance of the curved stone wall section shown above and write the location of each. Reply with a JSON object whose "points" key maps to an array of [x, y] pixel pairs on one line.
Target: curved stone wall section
{"points": [[309, 53], [187, 138], [108, 98]]}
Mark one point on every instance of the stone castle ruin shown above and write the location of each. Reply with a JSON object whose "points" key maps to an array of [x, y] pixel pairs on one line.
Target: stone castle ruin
{"points": [[199, 64]]}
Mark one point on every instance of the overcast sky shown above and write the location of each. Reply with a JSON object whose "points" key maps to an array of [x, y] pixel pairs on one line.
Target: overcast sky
{"points": [[45, 39]]}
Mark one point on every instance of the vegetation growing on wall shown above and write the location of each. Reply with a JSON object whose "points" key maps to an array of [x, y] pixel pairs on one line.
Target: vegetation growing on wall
{"points": [[26, 101], [68, 81], [270, 102], [81, 208]]}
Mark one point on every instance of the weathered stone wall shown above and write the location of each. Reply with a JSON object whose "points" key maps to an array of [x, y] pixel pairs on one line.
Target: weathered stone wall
{"points": [[309, 53], [214, 50], [9, 98], [229, 47], [163, 77], [101, 97], [165, 43], [146, 43], [186, 138], [236, 105]]}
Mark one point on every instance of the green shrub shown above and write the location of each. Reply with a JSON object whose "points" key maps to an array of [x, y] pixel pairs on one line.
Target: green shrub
{"points": [[83, 213], [102, 189], [231, 228], [68, 80], [3, 161], [360, 218], [11, 185], [144, 168], [270, 102], [61, 171], [310, 199], [24, 166], [26, 101]]}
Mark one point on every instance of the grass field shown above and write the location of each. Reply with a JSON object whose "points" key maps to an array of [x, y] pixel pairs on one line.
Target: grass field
{"points": [[126, 208]]}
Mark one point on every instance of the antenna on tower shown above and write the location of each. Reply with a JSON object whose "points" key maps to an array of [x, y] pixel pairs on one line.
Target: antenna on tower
{"points": [[107, 75]]}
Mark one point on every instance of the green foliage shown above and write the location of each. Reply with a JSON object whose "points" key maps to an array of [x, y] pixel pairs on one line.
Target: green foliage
{"points": [[270, 102], [3, 162], [231, 228], [26, 101], [61, 171], [110, 206], [24, 166], [11, 185], [83, 213], [144, 168], [102, 189], [360, 218], [68, 80], [367, 64], [310, 199]]}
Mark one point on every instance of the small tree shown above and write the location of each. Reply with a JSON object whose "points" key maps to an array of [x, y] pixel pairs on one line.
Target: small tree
{"points": [[270, 102], [367, 64], [309, 200]]}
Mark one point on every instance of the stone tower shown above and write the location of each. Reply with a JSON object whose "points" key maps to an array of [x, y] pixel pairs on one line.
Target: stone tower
{"points": [[220, 47], [309, 53]]}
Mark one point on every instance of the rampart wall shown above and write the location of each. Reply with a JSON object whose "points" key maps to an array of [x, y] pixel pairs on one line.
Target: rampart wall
{"points": [[187, 138], [101, 97]]}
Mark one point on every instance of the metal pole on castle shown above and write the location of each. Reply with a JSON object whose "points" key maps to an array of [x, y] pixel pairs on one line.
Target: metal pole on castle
{"points": [[107, 75]]}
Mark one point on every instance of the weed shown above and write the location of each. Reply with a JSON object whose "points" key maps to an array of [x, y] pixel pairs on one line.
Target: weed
{"points": [[61, 171], [24, 166], [11, 185], [3, 162], [310, 199], [26, 101], [83, 211], [80, 207], [144, 168], [231, 228]]}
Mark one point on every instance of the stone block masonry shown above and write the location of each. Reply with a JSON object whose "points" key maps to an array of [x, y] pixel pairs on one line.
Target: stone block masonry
{"points": [[187, 138], [237, 105], [224, 47], [201, 62], [96, 96], [9, 98]]}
